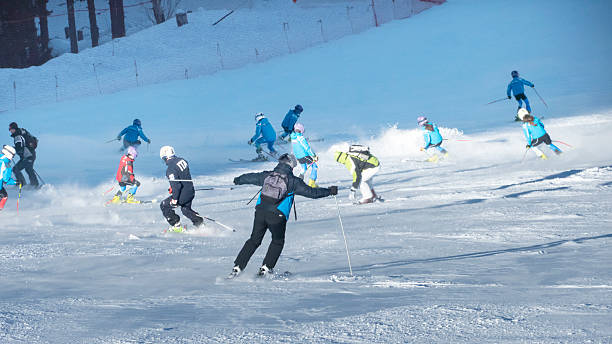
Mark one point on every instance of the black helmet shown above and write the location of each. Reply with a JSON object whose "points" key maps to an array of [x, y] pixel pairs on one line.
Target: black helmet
{"points": [[514, 74], [288, 159], [13, 125], [137, 122], [299, 108]]}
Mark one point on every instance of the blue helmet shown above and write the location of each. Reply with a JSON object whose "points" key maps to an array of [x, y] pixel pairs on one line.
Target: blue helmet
{"points": [[299, 108], [137, 122], [514, 74]]}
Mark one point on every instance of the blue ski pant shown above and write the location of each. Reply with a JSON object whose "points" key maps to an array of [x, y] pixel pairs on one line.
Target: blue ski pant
{"points": [[263, 140]]}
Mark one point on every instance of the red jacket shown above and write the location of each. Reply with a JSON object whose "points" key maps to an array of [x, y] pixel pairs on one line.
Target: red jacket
{"points": [[125, 173]]}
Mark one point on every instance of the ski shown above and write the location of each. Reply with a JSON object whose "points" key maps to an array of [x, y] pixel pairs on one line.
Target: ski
{"points": [[252, 160], [109, 202]]}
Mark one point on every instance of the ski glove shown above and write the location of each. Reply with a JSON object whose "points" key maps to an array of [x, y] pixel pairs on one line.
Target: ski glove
{"points": [[236, 181], [333, 190], [173, 203], [250, 142], [528, 146], [509, 97], [118, 138]]}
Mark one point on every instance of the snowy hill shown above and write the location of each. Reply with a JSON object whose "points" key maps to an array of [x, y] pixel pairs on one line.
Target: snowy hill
{"points": [[483, 247]]}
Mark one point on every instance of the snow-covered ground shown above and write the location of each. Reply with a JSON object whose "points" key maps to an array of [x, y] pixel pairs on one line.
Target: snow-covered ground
{"points": [[482, 247]]}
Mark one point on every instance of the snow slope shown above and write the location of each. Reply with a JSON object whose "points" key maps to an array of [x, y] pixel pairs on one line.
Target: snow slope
{"points": [[482, 247]]}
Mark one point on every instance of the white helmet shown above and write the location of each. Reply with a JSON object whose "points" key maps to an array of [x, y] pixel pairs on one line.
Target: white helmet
{"points": [[8, 151], [166, 152], [522, 112], [259, 116]]}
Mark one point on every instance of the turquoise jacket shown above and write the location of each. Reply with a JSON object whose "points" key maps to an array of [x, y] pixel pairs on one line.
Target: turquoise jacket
{"points": [[6, 172], [432, 138], [301, 148], [533, 132]]}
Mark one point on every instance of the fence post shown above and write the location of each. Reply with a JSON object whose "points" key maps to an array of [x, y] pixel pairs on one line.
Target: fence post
{"points": [[97, 79], [220, 56], [186, 73], [348, 15], [374, 12], [56, 89], [15, 94], [286, 28], [136, 70], [256, 55], [322, 34]]}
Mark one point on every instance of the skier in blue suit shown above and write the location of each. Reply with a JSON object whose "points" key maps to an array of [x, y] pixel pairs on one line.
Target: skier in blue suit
{"points": [[264, 133], [517, 87], [535, 134], [290, 119], [432, 137], [131, 135]]}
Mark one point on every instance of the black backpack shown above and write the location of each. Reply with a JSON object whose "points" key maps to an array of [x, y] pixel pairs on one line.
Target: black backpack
{"points": [[30, 140], [275, 186]]}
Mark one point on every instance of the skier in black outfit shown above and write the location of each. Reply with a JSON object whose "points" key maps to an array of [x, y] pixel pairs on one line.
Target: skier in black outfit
{"points": [[279, 187], [181, 190], [26, 149]]}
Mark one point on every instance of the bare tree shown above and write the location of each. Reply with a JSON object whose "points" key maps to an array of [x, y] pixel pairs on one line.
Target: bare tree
{"points": [[162, 10]]}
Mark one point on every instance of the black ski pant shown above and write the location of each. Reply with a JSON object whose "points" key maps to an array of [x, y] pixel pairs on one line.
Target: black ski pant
{"points": [[28, 165], [263, 221], [171, 216]]}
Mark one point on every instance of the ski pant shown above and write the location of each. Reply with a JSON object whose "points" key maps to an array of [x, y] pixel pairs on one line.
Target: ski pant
{"points": [[127, 143], [174, 219], [135, 184], [28, 165], [261, 141], [263, 221], [519, 98], [438, 147], [286, 133], [307, 162], [544, 139], [366, 182], [3, 197]]}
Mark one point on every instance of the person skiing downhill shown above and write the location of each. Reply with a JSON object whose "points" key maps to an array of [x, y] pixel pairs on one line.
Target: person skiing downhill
{"points": [[6, 172], [363, 166], [132, 133], [25, 146], [181, 191], [264, 133], [279, 188], [432, 138], [304, 154], [535, 134], [125, 176], [290, 119], [518, 89]]}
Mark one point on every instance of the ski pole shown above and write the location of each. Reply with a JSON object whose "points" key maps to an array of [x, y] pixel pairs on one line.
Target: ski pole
{"points": [[542, 99], [348, 256], [497, 100], [39, 177], [525, 154], [563, 143], [270, 155], [252, 198], [109, 190], [214, 188], [18, 198], [113, 140], [220, 224]]}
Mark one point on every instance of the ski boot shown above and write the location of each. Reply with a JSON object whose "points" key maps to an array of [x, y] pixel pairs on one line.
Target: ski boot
{"points": [[264, 271], [117, 198], [366, 200], [177, 228], [235, 272], [130, 199], [312, 183], [433, 158]]}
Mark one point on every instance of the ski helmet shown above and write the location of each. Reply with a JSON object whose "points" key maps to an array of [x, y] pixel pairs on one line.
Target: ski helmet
{"points": [[298, 108], [514, 74], [298, 128], [137, 122], [166, 152], [8, 151], [288, 159], [522, 112], [13, 125], [132, 151], [259, 116], [422, 120]]}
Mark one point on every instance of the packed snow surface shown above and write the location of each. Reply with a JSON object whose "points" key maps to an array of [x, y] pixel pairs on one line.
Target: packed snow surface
{"points": [[489, 245]]}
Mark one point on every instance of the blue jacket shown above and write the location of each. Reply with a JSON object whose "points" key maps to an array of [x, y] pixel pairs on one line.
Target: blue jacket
{"points": [[533, 132], [264, 128], [6, 172], [132, 133], [301, 148], [516, 85], [290, 119], [432, 138]]}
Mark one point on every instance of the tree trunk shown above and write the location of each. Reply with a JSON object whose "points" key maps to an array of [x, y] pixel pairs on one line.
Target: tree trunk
{"points": [[117, 18], [44, 30], [93, 24], [158, 12], [74, 46]]}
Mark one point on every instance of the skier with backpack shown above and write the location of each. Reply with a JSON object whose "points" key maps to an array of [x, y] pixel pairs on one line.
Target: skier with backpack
{"points": [[535, 134], [25, 146], [432, 138], [6, 172], [363, 166], [125, 176], [304, 154], [290, 119], [181, 191], [264, 133], [132, 133], [279, 188], [517, 87]]}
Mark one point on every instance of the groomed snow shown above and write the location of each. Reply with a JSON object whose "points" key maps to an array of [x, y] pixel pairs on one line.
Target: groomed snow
{"points": [[482, 247]]}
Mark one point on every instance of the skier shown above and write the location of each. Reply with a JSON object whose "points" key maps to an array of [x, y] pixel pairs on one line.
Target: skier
{"points": [[535, 134], [290, 119], [432, 138], [25, 146], [517, 88], [8, 153], [304, 154], [181, 191], [125, 177], [264, 133], [132, 133], [363, 166], [279, 187]]}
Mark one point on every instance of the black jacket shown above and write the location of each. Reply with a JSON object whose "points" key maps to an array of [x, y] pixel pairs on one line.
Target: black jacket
{"points": [[20, 144], [178, 169]]}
